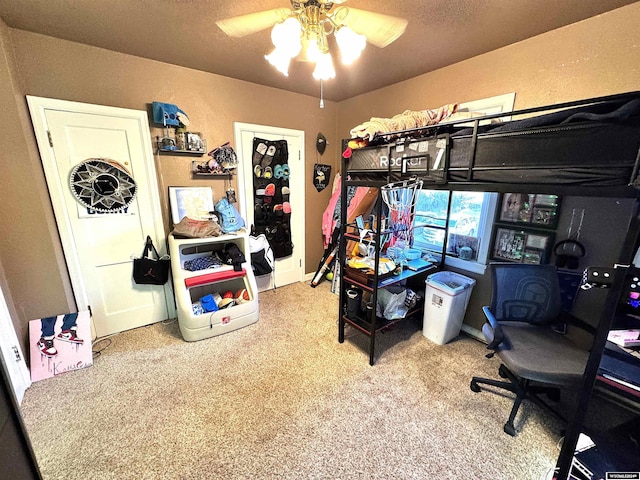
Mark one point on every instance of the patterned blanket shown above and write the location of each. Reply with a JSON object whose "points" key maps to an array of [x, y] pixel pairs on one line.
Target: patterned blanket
{"points": [[403, 121]]}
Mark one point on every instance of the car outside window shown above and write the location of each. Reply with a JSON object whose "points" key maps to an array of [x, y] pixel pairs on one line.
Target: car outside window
{"points": [[469, 229]]}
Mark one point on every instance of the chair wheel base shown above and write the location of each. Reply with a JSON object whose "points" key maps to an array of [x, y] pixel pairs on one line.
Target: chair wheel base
{"points": [[509, 429], [554, 395]]}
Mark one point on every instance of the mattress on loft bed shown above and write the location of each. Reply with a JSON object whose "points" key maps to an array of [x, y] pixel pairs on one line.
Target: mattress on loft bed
{"points": [[424, 157], [596, 145]]}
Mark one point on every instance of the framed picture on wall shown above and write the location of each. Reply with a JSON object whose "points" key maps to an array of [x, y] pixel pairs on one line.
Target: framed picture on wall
{"points": [[516, 208], [539, 210], [192, 202], [521, 246], [542, 215], [194, 142], [533, 256], [508, 245]]}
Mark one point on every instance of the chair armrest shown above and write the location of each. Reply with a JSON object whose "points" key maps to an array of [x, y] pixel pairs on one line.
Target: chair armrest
{"points": [[498, 336], [577, 322]]}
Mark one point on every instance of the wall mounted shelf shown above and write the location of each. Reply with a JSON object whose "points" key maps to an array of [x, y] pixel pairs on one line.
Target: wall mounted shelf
{"points": [[209, 169], [180, 152], [220, 175], [168, 146]]}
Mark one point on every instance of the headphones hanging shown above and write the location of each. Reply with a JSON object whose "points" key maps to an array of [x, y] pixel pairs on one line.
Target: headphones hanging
{"points": [[568, 253]]}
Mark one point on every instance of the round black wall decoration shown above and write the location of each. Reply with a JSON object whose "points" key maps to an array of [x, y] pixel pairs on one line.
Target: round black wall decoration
{"points": [[102, 185]]}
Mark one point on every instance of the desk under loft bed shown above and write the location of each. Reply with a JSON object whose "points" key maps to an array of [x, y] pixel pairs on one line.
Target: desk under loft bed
{"points": [[583, 148]]}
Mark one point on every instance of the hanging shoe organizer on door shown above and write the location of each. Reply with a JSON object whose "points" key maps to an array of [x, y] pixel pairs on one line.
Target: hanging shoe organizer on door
{"points": [[272, 208]]}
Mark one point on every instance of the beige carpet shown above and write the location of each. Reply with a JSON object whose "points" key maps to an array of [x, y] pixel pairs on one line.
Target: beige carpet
{"points": [[283, 399]]}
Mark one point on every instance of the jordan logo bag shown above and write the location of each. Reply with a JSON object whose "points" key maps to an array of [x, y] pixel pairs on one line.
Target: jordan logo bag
{"points": [[148, 270]]}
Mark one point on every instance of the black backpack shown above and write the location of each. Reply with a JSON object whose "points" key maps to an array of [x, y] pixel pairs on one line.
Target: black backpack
{"points": [[280, 241], [232, 255]]}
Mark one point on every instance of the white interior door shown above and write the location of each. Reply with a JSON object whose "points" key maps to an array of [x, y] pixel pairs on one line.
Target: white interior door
{"points": [[99, 246], [288, 269]]}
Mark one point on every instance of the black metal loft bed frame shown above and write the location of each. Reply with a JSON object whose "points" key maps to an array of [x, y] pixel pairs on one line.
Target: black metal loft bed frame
{"points": [[583, 148]]}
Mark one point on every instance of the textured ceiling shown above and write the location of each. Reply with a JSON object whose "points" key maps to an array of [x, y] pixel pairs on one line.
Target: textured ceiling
{"points": [[183, 32]]}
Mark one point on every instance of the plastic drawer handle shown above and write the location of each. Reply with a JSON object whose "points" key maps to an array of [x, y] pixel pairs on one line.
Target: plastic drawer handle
{"points": [[213, 277]]}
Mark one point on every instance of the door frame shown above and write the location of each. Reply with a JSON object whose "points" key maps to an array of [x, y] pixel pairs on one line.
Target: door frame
{"points": [[38, 107], [245, 174], [12, 356]]}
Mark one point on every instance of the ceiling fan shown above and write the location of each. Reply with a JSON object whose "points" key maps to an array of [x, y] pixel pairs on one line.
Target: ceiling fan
{"points": [[379, 29], [305, 27]]}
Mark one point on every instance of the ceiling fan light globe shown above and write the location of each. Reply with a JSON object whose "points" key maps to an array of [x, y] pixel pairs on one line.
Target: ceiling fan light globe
{"points": [[293, 26], [313, 50], [351, 44], [324, 67], [286, 38], [286, 33], [280, 60]]}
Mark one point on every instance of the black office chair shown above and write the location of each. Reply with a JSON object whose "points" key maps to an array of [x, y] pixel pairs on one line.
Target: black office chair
{"points": [[525, 306]]}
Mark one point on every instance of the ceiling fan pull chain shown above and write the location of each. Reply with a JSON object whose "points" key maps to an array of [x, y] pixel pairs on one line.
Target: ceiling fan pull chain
{"points": [[321, 94]]}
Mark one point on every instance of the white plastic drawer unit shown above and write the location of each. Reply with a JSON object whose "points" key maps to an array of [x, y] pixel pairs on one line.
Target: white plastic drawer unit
{"points": [[190, 286]]}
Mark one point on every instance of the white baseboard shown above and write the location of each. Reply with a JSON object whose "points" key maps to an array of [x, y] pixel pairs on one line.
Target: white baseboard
{"points": [[473, 332]]}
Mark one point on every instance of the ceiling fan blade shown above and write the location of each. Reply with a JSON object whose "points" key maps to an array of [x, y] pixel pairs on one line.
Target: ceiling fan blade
{"points": [[253, 22], [380, 30]]}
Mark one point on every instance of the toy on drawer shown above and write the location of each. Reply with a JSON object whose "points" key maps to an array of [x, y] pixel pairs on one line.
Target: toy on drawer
{"points": [[211, 297]]}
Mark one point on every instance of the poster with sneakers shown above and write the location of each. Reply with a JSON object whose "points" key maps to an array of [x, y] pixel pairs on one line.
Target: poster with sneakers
{"points": [[59, 344], [272, 210]]}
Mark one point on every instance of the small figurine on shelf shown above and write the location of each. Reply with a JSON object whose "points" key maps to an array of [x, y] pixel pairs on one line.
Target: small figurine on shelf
{"points": [[181, 131], [205, 168], [166, 143], [225, 157], [181, 140], [214, 167], [199, 167]]}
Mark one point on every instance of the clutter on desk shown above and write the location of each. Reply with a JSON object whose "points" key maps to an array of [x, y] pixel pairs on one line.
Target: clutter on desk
{"points": [[365, 265], [625, 338], [393, 259]]}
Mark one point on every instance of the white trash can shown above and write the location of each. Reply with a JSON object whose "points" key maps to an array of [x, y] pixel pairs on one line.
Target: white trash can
{"points": [[445, 303]]}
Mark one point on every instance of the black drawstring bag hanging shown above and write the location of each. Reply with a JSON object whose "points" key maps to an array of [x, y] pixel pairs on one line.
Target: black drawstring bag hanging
{"points": [[151, 271]]}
